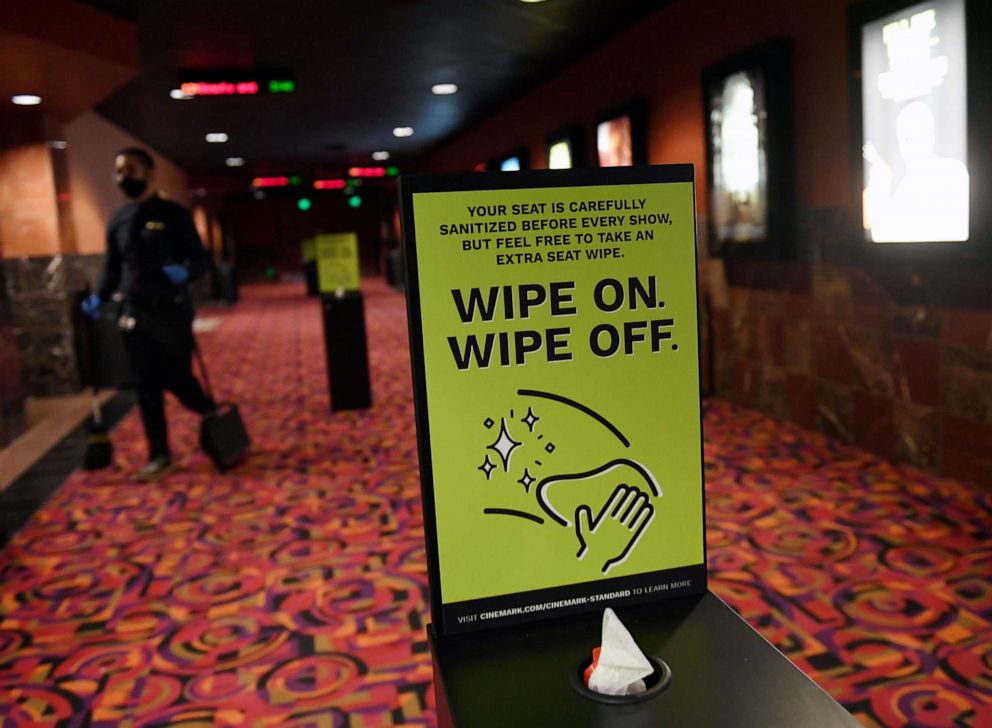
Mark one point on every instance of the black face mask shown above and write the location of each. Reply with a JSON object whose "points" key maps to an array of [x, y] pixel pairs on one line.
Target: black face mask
{"points": [[133, 187]]}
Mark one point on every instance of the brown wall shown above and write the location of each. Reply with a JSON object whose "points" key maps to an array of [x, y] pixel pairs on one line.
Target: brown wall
{"points": [[895, 357], [29, 220], [93, 141]]}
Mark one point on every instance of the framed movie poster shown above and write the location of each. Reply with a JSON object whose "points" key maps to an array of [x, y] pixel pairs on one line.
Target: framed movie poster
{"points": [[564, 149], [513, 161], [621, 136], [915, 125], [554, 346], [748, 116]]}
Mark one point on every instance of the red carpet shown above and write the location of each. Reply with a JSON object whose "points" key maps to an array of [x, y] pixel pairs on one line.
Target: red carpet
{"points": [[292, 592]]}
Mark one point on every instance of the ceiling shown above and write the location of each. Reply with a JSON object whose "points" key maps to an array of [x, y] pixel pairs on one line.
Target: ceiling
{"points": [[361, 68]]}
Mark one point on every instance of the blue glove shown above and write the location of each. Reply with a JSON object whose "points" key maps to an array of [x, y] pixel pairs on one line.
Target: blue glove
{"points": [[176, 273], [91, 306]]}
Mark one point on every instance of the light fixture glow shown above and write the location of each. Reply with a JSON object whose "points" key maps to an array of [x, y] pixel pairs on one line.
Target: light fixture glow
{"points": [[177, 93], [26, 99], [444, 89], [235, 162], [328, 184], [354, 201], [304, 204], [216, 137], [221, 88], [270, 182], [380, 156], [57, 144], [366, 171], [403, 131]]}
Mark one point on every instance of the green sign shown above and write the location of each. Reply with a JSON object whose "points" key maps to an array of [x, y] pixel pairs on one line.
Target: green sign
{"points": [[555, 351], [337, 262]]}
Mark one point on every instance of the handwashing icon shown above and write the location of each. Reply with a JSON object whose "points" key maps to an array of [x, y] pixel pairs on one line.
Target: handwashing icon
{"points": [[609, 507]]}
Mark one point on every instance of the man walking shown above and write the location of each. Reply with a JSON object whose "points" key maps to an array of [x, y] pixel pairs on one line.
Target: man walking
{"points": [[153, 251]]}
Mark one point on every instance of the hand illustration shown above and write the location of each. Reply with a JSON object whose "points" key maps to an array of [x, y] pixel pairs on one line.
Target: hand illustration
{"points": [[610, 537]]}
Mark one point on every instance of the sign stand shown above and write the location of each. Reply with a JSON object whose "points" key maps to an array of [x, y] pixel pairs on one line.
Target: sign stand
{"points": [[309, 258], [554, 347], [345, 343]]}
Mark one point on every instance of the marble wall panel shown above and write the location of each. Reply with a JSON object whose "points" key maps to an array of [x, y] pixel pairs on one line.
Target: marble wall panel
{"points": [[771, 396], [966, 377], [12, 391], [917, 433], [833, 294], [41, 294], [871, 357], [874, 428], [835, 411], [798, 345]]}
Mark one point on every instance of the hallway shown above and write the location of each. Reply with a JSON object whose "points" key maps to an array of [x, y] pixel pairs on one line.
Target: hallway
{"points": [[292, 591]]}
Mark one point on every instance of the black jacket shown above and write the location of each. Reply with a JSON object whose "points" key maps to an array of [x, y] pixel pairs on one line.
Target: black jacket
{"points": [[141, 238]]}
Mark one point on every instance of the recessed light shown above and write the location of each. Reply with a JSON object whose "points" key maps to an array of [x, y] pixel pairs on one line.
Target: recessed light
{"points": [[57, 144], [235, 161], [26, 99], [216, 137], [403, 131], [532, 1], [380, 156], [444, 89], [177, 93]]}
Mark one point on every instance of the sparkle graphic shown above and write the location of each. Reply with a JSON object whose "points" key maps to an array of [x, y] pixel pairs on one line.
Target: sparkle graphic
{"points": [[504, 445], [489, 422], [531, 419], [487, 467], [526, 480], [549, 448]]}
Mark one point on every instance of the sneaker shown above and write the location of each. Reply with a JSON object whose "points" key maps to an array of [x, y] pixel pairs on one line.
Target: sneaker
{"points": [[155, 469]]}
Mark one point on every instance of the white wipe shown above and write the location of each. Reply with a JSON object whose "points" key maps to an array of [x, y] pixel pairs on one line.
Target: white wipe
{"points": [[621, 665]]}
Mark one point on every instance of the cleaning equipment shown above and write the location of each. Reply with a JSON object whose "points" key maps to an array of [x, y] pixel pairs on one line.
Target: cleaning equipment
{"points": [[99, 449], [222, 432]]}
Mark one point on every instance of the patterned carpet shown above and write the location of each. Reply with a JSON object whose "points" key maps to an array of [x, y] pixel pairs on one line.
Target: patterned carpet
{"points": [[292, 592]]}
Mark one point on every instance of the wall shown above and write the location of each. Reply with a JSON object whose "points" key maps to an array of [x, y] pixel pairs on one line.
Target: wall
{"points": [[12, 394], [93, 141], [894, 357]]}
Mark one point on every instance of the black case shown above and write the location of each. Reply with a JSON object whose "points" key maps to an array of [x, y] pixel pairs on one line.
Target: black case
{"points": [[222, 432], [223, 436]]}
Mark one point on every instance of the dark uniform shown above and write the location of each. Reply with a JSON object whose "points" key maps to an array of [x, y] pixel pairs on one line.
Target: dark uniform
{"points": [[141, 239]]}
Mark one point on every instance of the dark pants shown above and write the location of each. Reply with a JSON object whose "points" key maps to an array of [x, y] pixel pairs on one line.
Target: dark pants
{"points": [[160, 350]]}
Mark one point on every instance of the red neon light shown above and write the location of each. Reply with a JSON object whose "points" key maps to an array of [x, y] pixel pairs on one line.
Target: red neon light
{"points": [[270, 182], [367, 172], [220, 88], [328, 184]]}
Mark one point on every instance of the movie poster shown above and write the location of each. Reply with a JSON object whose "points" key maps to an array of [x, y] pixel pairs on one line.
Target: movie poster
{"points": [[916, 183]]}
